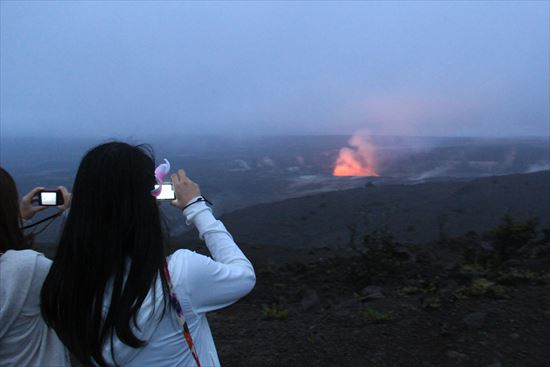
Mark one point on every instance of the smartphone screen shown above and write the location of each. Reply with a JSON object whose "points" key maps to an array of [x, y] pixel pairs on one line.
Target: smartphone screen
{"points": [[50, 198], [167, 192]]}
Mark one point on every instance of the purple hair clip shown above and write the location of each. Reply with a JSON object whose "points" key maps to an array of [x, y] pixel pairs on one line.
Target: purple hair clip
{"points": [[160, 172]]}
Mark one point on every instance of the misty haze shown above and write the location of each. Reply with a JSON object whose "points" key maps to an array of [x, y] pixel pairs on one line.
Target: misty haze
{"points": [[385, 166]]}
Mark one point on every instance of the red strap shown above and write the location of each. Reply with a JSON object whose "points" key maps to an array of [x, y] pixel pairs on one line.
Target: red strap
{"points": [[179, 313]]}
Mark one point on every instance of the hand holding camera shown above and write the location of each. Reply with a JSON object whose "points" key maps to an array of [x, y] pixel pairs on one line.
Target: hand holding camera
{"points": [[185, 189], [60, 198]]}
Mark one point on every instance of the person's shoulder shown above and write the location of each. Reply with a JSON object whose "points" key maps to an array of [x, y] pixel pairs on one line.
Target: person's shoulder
{"points": [[21, 255], [180, 263], [25, 260], [183, 256], [178, 258]]}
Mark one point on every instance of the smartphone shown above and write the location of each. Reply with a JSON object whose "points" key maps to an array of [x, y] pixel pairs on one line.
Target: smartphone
{"points": [[167, 192], [50, 198]]}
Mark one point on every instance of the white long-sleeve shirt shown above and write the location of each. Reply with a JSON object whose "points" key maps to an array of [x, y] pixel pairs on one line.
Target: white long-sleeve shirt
{"points": [[202, 284], [25, 339]]}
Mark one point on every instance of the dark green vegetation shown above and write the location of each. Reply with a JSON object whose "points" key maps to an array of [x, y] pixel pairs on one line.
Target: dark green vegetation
{"points": [[373, 315], [274, 312]]}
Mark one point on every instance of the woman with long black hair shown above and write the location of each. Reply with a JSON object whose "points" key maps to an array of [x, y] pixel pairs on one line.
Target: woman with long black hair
{"points": [[112, 295], [25, 340]]}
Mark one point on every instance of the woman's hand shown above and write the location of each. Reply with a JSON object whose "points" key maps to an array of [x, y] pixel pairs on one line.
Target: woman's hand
{"points": [[67, 196], [185, 189], [26, 208]]}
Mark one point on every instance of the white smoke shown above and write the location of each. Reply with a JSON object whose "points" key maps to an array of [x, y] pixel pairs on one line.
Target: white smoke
{"points": [[357, 160], [437, 171], [266, 162], [240, 165], [539, 166]]}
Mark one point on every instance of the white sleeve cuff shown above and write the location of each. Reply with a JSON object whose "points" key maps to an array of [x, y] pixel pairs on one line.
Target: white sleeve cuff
{"points": [[201, 216]]}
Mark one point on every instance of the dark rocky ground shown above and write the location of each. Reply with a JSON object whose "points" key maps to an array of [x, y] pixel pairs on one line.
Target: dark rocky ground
{"points": [[313, 311], [412, 213]]}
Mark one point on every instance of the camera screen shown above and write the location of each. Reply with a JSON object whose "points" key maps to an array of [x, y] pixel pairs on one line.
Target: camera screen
{"points": [[167, 192], [48, 198]]}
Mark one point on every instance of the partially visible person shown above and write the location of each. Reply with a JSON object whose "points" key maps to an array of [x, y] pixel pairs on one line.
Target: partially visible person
{"points": [[25, 339], [112, 295]]}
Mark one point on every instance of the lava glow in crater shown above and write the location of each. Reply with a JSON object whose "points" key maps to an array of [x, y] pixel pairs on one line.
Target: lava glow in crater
{"points": [[358, 160]]}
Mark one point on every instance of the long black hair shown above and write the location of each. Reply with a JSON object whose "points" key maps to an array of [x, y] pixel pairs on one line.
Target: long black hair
{"points": [[113, 233], [11, 236]]}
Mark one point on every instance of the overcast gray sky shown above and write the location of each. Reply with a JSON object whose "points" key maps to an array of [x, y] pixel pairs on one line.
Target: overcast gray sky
{"points": [[142, 68]]}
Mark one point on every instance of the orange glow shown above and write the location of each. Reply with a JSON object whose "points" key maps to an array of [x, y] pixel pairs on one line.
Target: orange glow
{"points": [[358, 160]]}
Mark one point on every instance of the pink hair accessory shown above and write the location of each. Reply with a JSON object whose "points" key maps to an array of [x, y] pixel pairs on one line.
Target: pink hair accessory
{"points": [[160, 172]]}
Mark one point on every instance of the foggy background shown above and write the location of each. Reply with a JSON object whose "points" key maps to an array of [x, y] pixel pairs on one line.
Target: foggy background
{"points": [[142, 69], [264, 101]]}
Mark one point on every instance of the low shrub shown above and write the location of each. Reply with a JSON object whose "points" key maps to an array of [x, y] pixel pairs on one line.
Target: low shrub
{"points": [[377, 258], [409, 291], [482, 287], [376, 316], [510, 235], [517, 276], [274, 312]]}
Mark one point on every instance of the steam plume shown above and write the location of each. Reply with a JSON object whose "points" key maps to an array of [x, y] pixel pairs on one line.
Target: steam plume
{"points": [[358, 160]]}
